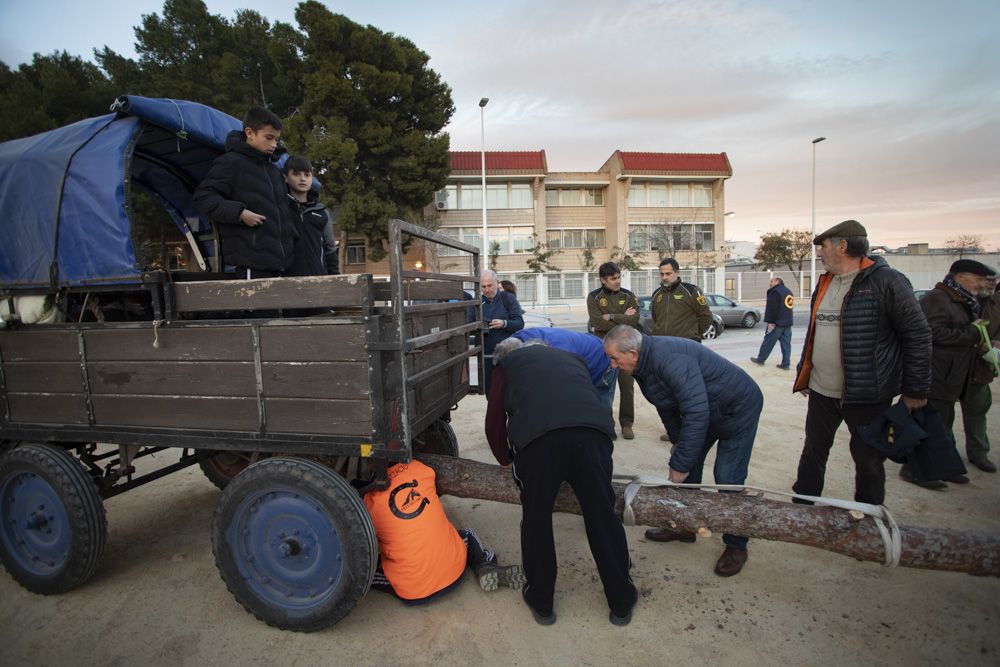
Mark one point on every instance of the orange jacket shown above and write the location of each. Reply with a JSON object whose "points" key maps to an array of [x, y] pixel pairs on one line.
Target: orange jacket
{"points": [[421, 551]]}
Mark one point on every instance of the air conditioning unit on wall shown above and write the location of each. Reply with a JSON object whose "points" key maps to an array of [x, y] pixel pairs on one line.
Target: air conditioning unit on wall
{"points": [[441, 200]]}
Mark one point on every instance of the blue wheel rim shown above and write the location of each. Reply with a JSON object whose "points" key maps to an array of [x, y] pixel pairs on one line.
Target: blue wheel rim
{"points": [[286, 548], [35, 527]]}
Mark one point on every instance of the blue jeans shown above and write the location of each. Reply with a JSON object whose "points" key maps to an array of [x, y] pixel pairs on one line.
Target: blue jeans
{"points": [[606, 387], [731, 462], [782, 336]]}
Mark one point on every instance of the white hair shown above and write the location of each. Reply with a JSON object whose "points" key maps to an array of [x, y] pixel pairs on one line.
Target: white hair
{"points": [[505, 346], [489, 273], [624, 338]]}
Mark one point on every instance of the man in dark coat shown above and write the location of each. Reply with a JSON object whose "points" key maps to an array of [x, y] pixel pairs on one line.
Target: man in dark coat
{"points": [[778, 316], [702, 399], [951, 308], [502, 316], [678, 308], [544, 416], [978, 398], [244, 193], [867, 342]]}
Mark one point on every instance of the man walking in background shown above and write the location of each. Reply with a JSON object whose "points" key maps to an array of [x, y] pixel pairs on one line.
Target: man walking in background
{"points": [[778, 316]]}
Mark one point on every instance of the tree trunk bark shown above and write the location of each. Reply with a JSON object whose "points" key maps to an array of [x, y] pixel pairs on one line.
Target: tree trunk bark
{"points": [[827, 528]]}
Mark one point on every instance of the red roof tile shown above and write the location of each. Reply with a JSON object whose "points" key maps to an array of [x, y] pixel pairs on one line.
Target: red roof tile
{"points": [[688, 163], [530, 161]]}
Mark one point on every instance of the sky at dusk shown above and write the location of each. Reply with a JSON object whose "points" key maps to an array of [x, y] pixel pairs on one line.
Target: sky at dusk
{"points": [[907, 93]]}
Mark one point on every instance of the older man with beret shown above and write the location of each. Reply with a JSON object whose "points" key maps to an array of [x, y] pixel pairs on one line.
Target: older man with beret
{"points": [[867, 342], [978, 398], [952, 308]]}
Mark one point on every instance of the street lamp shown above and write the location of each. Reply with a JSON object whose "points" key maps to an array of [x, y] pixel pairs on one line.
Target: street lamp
{"points": [[812, 261], [482, 129]]}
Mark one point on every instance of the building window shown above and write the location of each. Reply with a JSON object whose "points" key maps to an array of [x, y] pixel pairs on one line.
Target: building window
{"points": [[670, 238], [468, 197], [701, 195], [575, 238], [637, 195], [512, 240], [680, 194], [520, 239], [520, 196], [355, 252], [658, 195], [574, 197], [496, 196], [471, 197]]}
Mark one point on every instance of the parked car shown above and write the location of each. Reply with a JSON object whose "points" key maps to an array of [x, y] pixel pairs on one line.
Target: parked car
{"points": [[532, 320], [732, 313], [646, 319], [919, 293]]}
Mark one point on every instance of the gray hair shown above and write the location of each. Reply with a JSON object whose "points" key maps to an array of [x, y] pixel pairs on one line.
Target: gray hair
{"points": [[505, 346], [857, 246], [489, 273], [624, 338]]}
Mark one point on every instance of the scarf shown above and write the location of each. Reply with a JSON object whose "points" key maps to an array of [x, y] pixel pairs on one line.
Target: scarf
{"points": [[971, 302]]}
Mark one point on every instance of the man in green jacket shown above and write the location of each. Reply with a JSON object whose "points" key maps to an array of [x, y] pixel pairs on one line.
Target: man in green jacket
{"points": [[679, 309], [607, 307]]}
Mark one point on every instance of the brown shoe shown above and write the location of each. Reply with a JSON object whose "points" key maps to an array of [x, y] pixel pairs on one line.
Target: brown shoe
{"points": [[983, 463], [665, 438], [667, 535], [731, 562], [627, 432]]}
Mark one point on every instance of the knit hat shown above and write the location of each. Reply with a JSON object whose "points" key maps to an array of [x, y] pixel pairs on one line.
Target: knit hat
{"points": [[842, 230], [971, 266]]}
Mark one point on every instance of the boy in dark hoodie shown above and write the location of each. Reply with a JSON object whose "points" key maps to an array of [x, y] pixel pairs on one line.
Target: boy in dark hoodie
{"points": [[244, 194], [315, 247]]}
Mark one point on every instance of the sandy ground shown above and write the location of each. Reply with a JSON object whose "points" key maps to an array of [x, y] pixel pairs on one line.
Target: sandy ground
{"points": [[157, 598]]}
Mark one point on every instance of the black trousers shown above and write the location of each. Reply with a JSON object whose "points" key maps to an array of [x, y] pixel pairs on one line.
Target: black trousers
{"points": [[581, 457], [824, 417]]}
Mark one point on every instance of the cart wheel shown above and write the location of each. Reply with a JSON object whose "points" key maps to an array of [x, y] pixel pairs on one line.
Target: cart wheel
{"points": [[294, 544], [438, 438], [52, 522], [221, 468]]}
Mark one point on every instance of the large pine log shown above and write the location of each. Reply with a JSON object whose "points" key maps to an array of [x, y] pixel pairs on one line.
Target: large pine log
{"points": [[822, 527]]}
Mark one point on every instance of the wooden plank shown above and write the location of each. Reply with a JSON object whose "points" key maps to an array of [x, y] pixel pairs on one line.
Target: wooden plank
{"points": [[188, 412], [422, 289], [47, 408], [271, 293], [53, 377], [175, 343], [333, 341], [39, 344], [169, 378], [316, 379], [300, 415]]}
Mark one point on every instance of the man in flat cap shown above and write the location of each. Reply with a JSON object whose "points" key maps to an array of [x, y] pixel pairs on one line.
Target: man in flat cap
{"points": [[951, 309], [867, 342]]}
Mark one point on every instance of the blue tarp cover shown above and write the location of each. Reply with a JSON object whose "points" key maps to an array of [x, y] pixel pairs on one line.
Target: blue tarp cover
{"points": [[63, 217]]}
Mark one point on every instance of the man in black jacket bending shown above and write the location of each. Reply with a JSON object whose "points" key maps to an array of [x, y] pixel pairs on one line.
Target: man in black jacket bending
{"points": [[544, 415], [244, 193], [868, 341]]}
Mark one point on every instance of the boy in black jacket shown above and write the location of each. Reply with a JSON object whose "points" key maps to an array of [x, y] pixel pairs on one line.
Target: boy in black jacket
{"points": [[244, 193], [315, 247]]}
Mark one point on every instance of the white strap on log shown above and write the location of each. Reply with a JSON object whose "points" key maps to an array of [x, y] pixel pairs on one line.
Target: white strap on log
{"points": [[884, 521]]}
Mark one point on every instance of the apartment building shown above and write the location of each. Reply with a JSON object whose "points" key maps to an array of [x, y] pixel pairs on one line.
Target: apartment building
{"points": [[645, 205]]}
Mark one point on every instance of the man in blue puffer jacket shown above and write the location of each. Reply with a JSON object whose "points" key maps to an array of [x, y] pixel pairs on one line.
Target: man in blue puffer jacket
{"points": [[702, 399]]}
